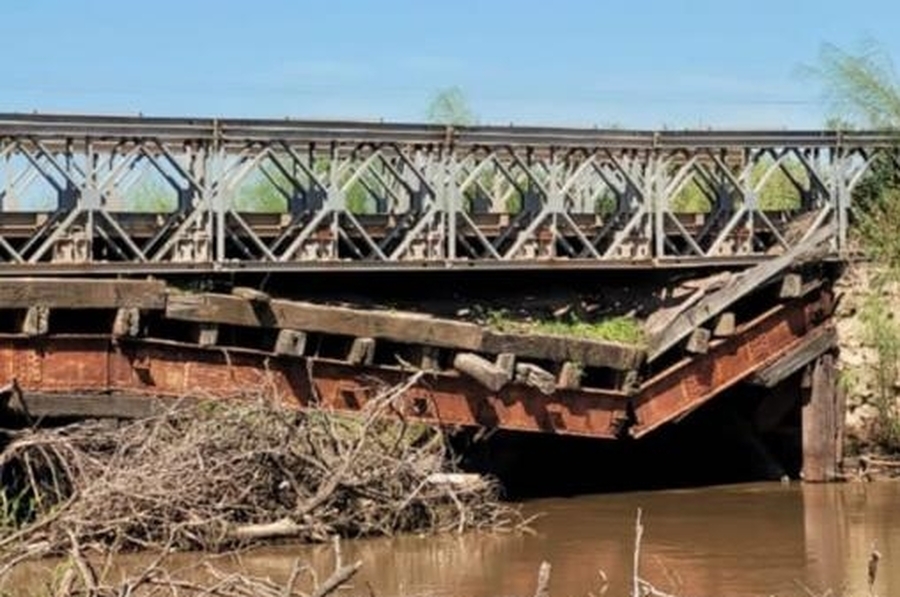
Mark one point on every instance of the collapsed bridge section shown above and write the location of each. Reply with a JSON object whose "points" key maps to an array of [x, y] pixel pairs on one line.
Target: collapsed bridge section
{"points": [[743, 230], [105, 347]]}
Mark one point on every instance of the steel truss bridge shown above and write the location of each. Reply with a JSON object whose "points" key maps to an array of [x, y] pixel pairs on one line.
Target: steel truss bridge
{"points": [[134, 194], [95, 197]]}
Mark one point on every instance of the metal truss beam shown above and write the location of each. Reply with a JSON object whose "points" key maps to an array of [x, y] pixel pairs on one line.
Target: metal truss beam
{"points": [[159, 194]]}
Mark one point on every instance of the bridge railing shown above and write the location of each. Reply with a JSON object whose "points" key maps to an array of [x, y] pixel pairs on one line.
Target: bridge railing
{"points": [[167, 192]]}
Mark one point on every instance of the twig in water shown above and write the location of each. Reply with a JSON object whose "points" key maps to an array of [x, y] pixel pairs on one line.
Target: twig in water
{"points": [[874, 558], [641, 587], [543, 583], [636, 570]]}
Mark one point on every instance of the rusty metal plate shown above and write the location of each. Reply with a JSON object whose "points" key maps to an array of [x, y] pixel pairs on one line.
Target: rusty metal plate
{"points": [[694, 381], [172, 369]]}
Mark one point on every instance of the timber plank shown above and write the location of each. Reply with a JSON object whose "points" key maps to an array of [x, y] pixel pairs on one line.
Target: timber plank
{"points": [[481, 370], [714, 303], [696, 289], [362, 351], [66, 293], [534, 376], [36, 321], [414, 328], [86, 405], [821, 429], [590, 353]]}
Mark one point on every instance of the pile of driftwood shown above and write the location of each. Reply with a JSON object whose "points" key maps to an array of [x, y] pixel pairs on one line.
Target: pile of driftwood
{"points": [[215, 476]]}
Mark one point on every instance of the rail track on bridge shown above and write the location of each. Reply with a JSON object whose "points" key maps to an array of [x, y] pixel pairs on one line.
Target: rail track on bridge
{"points": [[105, 220]]}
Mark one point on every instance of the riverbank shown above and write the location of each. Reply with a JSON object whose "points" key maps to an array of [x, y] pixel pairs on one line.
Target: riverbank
{"points": [[869, 366]]}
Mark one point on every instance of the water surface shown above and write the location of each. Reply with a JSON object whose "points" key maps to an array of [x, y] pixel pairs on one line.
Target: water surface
{"points": [[732, 541]]}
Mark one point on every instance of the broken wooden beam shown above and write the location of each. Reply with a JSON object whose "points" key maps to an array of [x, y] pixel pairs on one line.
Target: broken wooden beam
{"points": [[405, 327], [81, 293], [362, 351], [532, 375], [290, 343], [814, 344], [716, 302], [481, 370], [692, 291], [36, 321], [127, 322], [590, 353], [414, 328]]}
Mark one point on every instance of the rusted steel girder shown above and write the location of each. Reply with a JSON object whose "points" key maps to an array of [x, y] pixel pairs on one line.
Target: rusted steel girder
{"points": [[687, 385], [96, 363]]}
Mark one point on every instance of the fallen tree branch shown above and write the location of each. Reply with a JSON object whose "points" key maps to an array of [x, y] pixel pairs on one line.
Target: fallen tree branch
{"points": [[215, 475]]}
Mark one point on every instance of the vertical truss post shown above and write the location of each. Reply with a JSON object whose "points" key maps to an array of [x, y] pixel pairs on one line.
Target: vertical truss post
{"points": [[555, 202], [841, 192], [90, 194], [216, 197], [452, 200], [334, 202], [654, 192]]}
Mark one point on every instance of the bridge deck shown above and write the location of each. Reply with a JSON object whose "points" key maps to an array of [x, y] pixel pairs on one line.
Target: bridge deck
{"points": [[107, 339]]}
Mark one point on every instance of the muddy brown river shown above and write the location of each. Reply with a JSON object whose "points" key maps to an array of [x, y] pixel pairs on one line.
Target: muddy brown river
{"points": [[734, 541]]}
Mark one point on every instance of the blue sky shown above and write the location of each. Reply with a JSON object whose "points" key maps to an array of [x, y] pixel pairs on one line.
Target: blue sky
{"points": [[633, 63]]}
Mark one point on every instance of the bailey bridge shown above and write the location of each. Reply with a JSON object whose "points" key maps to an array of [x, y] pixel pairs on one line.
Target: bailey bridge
{"points": [[737, 235]]}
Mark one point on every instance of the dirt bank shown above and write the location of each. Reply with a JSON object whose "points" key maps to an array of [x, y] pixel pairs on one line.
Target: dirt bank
{"points": [[869, 341]]}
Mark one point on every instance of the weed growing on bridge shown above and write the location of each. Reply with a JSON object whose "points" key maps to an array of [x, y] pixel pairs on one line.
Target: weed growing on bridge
{"points": [[623, 329]]}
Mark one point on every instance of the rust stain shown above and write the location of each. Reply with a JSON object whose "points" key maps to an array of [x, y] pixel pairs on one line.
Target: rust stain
{"points": [[171, 369], [693, 382]]}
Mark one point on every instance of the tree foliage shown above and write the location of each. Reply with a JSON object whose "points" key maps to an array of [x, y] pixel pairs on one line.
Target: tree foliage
{"points": [[449, 106], [863, 89], [861, 86], [152, 196], [779, 192]]}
